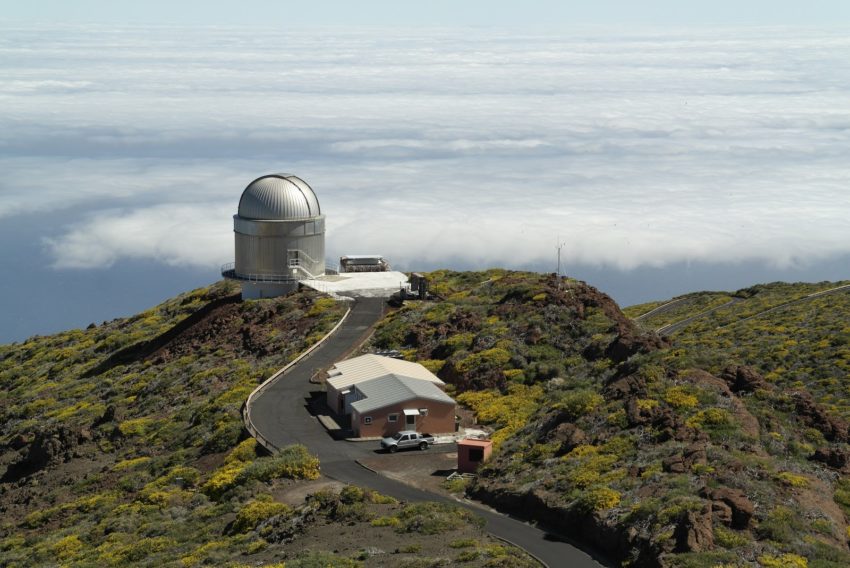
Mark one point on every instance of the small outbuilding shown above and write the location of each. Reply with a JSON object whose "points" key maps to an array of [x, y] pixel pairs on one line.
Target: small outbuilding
{"points": [[471, 453], [388, 404]]}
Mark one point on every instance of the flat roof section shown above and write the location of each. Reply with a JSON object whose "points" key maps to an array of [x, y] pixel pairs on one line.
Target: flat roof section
{"points": [[367, 284]]}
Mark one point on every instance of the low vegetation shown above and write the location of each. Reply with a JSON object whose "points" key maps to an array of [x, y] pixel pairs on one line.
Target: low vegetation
{"points": [[722, 446], [121, 442]]}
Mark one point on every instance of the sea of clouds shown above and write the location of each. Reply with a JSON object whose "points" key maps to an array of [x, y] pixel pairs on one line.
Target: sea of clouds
{"points": [[478, 146]]}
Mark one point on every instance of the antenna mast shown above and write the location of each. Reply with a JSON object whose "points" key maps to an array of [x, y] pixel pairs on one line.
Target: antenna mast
{"points": [[558, 246]]}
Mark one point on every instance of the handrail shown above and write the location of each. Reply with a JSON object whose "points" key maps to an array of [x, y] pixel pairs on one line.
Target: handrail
{"points": [[295, 264], [302, 253], [246, 406]]}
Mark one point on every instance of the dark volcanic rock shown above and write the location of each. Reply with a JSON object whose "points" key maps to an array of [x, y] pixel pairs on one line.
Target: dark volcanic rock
{"points": [[814, 415], [836, 458], [569, 435], [744, 379], [48, 447], [695, 454], [741, 507], [108, 416], [694, 532], [631, 386], [629, 342]]}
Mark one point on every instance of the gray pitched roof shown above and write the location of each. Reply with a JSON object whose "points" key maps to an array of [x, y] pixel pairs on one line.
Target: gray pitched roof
{"points": [[394, 389]]}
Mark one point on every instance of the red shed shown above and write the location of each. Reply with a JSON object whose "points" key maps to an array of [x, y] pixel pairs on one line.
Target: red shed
{"points": [[471, 453]]}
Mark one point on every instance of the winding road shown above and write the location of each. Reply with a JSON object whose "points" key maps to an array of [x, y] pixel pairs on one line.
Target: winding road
{"points": [[672, 328], [281, 413]]}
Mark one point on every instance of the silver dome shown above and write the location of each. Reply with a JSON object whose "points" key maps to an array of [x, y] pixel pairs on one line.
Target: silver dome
{"points": [[279, 197]]}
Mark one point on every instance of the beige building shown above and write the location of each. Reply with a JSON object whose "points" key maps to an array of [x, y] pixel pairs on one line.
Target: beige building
{"points": [[346, 375]]}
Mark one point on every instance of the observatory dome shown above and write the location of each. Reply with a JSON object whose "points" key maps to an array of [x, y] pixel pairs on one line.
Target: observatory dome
{"points": [[278, 197]]}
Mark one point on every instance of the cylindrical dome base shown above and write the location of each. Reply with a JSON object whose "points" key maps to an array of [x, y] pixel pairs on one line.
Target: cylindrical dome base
{"points": [[271, 248], [260, 290]]}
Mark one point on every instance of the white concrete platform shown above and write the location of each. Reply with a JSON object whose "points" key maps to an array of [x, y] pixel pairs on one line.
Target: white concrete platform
{"points": [[368, 284]]}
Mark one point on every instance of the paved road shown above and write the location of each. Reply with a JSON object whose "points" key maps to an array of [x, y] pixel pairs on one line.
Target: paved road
{"points": [[282, 415], [663, 308], [681, 324]]}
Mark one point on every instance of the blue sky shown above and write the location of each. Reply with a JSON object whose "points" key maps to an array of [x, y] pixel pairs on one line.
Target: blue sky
{"points": [[435, 12], [669, 159]]}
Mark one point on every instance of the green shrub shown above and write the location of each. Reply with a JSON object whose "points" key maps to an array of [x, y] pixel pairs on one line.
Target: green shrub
{"points": [[577, 403], [727, 538], [292, 462], [781, 525], [434, 518], [489, 358]]}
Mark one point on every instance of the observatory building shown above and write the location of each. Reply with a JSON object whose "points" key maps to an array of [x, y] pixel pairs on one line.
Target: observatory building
{"points": [[280, 237]]}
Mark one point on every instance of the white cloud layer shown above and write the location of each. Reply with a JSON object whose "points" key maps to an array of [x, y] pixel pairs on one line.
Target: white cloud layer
{"points": [[478, 146]]}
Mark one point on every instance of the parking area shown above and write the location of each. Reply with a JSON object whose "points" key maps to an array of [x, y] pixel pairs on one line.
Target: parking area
{"points": [[425, 470]]}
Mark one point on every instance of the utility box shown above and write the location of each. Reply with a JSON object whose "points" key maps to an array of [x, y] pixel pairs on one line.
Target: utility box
{"points": [[472, 453], [419, 285]]}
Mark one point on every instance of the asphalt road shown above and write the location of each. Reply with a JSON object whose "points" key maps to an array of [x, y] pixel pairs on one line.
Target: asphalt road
{"points": [[681, 324], [282, 415]]}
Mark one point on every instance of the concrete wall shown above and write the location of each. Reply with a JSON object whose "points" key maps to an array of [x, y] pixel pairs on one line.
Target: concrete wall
{"points": [[440, 419], [260, 290]]}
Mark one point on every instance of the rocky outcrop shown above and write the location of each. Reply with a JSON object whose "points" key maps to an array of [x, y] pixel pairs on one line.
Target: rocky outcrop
{"points": [[749, 423], [744, 379], [814, 415], [630, 342], [629, 386], [569, 435], [694, 532], [739, 506], [836, 458], [683, 462], [48, 447]]}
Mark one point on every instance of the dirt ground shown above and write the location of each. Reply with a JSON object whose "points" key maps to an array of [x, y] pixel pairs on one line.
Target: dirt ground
{"points": [[426, 470]]}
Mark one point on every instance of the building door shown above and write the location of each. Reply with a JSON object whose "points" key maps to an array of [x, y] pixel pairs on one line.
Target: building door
{"points": [[410, 421]]}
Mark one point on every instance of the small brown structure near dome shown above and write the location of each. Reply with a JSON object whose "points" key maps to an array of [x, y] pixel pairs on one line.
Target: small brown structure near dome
{"points": [[471, 453]]}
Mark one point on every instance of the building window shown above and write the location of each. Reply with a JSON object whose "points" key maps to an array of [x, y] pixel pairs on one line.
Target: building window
{"points": [[392, 418], [367, 420], [476, 454]]}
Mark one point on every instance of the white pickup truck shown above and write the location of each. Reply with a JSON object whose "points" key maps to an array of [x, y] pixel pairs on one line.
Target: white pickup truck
{"points": [[406, 439]]}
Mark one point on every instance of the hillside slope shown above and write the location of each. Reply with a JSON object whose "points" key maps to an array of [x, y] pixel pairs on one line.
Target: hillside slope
{"points": [[122, 444], [661, 454], [725, 444]]}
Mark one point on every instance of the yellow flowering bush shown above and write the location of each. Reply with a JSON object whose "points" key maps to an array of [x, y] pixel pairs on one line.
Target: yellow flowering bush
{"points": [[68, 547], [792, 479], [256, 511], [783, 561], [678, 397]]}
